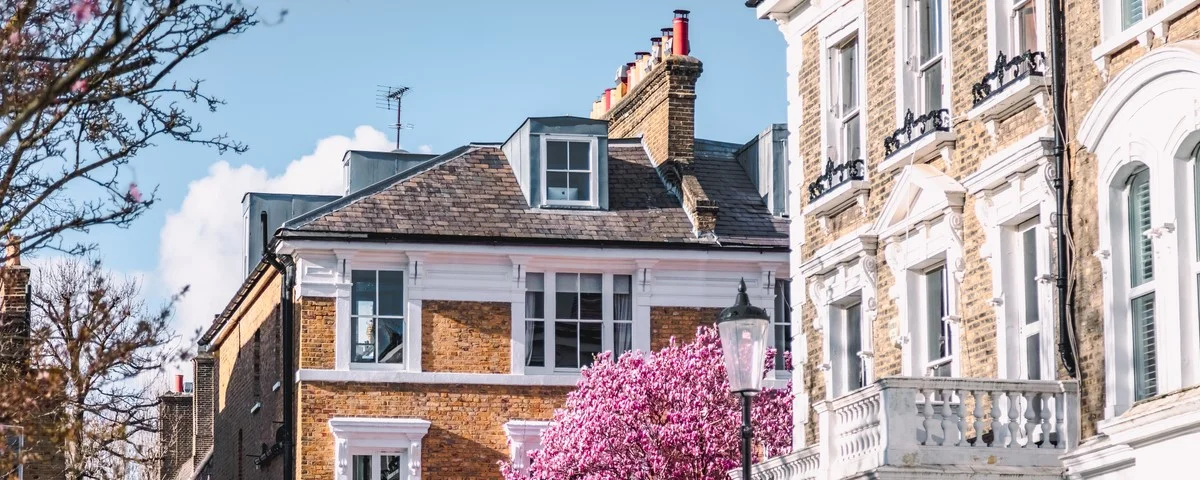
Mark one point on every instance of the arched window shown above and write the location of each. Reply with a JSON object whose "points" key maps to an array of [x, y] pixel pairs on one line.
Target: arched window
{"points": [[1141, 286]]}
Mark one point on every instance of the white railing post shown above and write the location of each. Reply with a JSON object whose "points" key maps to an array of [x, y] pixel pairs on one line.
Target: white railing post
{"points": [[828, 438], [1071, 405]]}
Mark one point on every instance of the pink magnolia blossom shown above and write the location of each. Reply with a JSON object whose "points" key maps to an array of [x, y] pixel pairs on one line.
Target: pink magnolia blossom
{"points": [[84, 10], [15, 39], [79, 86], [134, 195], [663, 415]]}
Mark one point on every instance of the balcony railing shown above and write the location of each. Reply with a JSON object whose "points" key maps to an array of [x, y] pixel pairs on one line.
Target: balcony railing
{"points": [[1006, 72], [915, 128], [835, 175], [1012, 426]]}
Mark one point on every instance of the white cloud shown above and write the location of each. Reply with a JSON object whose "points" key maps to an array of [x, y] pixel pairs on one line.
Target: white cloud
{"points": [[201, 242], [424, 149]]}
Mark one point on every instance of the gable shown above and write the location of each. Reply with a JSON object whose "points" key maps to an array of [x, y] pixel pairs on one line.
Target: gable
{"points": [[921, 193]]}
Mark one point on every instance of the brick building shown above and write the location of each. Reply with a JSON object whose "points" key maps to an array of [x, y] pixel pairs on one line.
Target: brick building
{"points": [[29, 438], [443, 308], [948, 326]]}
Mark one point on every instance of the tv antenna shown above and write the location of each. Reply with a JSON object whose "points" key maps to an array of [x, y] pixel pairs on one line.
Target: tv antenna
{"points": [[388, 98]]}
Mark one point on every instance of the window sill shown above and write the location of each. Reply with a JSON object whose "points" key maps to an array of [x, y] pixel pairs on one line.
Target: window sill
{"points": [[921, 150], [277, 386], [1142, 32], [256, 407], [387, 367], [836, 197], [1031, 90], [383, 376]]}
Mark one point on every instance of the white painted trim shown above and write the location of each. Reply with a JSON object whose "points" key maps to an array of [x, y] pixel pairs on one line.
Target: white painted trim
{"points": [[593, 173], [934, 143], [436, 378], [524, 436], [356, 434], [998, 28], [547, 253], [1144, 31], [847, 269]]}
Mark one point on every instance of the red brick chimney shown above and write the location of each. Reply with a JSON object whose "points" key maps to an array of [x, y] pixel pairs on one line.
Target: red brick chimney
{"points": [[14, 307], [661, 108]]}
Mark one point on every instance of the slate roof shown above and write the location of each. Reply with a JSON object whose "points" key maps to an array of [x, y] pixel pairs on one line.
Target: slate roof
{"points": [[472, 194]]}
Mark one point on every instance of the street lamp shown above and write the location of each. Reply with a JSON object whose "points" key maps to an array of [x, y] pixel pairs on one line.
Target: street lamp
{"points": [[743, 329]]}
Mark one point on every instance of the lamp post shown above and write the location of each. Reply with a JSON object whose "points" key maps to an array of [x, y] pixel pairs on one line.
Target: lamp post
{"points": [[743, 329]]}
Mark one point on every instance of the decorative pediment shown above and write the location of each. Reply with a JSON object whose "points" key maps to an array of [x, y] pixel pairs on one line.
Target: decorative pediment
{"points": [[921, 193]]}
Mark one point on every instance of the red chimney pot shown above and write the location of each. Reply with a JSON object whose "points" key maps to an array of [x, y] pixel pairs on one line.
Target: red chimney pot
{"points": [[681, 33]]}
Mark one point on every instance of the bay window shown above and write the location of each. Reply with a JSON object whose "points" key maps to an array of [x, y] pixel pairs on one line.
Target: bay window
{"points": [[377, 316], [588, 313]]}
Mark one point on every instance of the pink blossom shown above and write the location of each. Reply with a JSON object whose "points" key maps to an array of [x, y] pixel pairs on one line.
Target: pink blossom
{"points": [[663, 415], [79, 86], [15, 39], [134, 195], [84, 10]]}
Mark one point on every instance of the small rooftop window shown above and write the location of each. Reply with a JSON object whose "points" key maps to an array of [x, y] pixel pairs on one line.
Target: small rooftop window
{"points": [[570, 170]]}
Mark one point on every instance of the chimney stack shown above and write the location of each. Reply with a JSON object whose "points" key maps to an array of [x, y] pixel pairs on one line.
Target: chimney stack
{"points": [[175, 437], [659, 106], [202, 413]]}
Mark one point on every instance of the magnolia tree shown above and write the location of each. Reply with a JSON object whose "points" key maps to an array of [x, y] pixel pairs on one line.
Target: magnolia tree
{"points": [[663, 415]]}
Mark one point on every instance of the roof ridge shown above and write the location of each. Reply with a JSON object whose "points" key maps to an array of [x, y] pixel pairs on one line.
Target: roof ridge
{"points": [[379, 186]]}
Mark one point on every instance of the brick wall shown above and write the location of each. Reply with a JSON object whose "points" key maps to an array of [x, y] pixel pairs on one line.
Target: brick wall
{"points": [[466, 438], [466, 337], [238, 388], [14, 316], [318, 332], [175, 432], [678, 322]]}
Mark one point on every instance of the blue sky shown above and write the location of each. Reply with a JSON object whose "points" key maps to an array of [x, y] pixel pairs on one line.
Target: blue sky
{"points": [[476, 68]]}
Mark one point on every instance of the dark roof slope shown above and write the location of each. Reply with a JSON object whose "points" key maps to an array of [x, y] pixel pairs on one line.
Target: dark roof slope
{"points": [[743, 217], [475, 194]]}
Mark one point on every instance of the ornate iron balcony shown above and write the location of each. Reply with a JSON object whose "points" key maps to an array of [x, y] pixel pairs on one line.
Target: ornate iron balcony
{"points": [[915, 128], [1008, 71], [835, 175]]}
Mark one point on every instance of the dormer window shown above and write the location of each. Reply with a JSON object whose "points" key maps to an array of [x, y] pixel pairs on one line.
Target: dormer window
{"points": [[570, 171]]}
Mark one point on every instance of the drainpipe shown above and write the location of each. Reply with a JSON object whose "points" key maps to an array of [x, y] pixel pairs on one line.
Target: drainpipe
{"points": [[286, 267], [1058, 57]]}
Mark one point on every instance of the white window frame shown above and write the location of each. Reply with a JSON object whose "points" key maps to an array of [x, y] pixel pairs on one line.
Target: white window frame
{"points": [[910, 69], [842, 150], [403, 317], [845, 378], [377, 436], [843, 25], [607, 322], [922, 331], [346, 262], [593, 172], [841, 274], [1146, 288], [4, 429], [781, 317], [1002, 28], [377, 455], [1009, 190], [524, 437]]}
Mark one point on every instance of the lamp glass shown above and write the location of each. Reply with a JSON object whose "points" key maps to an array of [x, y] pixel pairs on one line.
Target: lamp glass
{"points": [[744, 343]]}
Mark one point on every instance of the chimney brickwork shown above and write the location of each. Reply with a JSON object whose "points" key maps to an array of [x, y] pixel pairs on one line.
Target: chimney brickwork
{"points": [[661, 109], [204, 395], [175, 433], [14, 311]]}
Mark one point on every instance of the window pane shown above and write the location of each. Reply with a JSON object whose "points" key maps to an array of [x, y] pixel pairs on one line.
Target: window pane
{"points": [[1145, 362], [591, 283], [1024, 29], [1196, 199], [566, 300], [590, 334], [931, 28], [362, 292], [535, 296], [1141, 250], [362, 467], [566, 345], [622, 298], [853, 346], [580, 186], [391, 293], [591, 306], [1029, 274], [783, 344], [934, 311], [556, 155], [389, 467], [580, 156], [622, 338], [852, 139], [390, 340], [535, 344], [848, 61], [932, 78], [1033, 357], [361, 333], [1131, 12], [557, 187]]}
